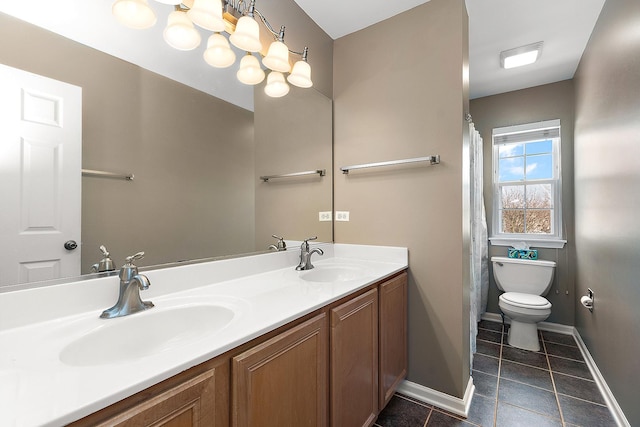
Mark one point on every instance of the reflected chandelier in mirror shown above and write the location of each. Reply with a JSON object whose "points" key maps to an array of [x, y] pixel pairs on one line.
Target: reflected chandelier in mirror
{"points": [[235, 18]]}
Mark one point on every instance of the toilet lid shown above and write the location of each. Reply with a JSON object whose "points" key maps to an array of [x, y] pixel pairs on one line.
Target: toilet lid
{"points": [[525, 300]]}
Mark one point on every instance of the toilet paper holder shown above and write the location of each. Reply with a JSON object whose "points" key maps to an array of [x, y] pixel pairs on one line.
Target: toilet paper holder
{"points": [[588, 299]]}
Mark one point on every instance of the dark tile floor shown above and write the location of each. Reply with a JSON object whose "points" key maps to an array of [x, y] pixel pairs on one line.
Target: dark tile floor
{"points": [[552, 387]]}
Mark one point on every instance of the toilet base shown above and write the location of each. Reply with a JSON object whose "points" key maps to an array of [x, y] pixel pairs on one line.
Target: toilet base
{"points": [[524, 335]]}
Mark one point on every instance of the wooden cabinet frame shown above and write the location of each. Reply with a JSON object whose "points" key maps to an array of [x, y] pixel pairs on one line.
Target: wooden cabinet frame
{"points": [[370, 326], [393, 336]]}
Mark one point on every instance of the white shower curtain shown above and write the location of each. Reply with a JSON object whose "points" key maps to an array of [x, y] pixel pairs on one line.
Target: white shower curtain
{"points": [[479, 239]]}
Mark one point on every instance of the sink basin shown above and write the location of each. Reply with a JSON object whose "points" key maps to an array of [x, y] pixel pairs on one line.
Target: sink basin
{"points": [[337, 273], [143, 334]]}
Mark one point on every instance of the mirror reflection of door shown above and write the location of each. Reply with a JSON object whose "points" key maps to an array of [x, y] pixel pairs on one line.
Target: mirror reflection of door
{"points": [[40, 177]]}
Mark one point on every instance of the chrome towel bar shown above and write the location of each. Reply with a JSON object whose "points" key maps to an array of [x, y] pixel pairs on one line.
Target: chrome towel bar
{"points": [[321, 172], [433, 160], [102, 174]]}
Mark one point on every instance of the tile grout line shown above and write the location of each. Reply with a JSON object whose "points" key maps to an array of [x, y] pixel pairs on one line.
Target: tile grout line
{"points": [[553, 382], [495, 407], [428, 416]]}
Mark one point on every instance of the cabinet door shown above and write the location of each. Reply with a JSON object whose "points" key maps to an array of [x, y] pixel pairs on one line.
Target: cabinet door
{"points": [[283, 381], [189, 404], [354, 361], [393, 336]]}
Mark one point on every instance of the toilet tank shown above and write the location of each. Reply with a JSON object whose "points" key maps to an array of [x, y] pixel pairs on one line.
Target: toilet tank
{"points": [[523, 275]]}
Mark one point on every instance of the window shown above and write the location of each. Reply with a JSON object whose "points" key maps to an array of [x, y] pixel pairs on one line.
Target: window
{"points": [[527, 184]]}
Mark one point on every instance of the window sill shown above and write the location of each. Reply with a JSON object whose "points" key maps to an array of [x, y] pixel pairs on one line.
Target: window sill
{"points": [[532, 242]]}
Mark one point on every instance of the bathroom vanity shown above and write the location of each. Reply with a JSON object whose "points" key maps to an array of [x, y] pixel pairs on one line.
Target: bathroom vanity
{"points": [[280, 350]]}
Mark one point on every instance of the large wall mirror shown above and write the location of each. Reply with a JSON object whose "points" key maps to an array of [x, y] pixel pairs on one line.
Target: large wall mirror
{"points": [[196, 159]]}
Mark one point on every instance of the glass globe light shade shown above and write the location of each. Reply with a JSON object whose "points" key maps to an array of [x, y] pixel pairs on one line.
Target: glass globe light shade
{"points": [[171, 2], [134, 14], [301, 75], [219, 53], [247, 35], [180, 32], [207, 14], [250, 72], [276, 85], [277, 58]]}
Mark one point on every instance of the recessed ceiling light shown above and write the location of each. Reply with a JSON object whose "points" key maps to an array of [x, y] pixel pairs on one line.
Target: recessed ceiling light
{"points": [[523, 55]]}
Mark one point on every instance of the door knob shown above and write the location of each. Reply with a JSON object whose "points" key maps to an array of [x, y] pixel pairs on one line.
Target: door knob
{"points": [[70, 245]]}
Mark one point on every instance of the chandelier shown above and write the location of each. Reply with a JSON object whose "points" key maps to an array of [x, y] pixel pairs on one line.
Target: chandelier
{"points": [[238, 20]]}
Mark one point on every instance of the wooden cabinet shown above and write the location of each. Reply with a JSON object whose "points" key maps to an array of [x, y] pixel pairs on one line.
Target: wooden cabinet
{"points": [[354, 361], [283, 381], [336, 367], [186, 400], [393, 336]]}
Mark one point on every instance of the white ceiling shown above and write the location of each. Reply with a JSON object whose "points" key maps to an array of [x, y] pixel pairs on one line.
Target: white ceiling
{"points": [[494, 25]]}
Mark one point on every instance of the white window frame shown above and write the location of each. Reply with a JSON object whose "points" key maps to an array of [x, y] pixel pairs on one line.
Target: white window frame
{"points": [[520, 133]]}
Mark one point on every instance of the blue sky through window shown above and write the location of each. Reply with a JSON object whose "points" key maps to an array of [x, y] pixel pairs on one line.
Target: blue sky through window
{"points": [[525, 160]]}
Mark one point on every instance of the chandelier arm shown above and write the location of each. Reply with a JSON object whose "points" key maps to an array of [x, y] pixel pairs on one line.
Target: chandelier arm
{"points": [[296, 53], [274, 33]]}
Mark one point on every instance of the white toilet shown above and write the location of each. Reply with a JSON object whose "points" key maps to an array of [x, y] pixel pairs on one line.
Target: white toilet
{"points": [[524, 283]]}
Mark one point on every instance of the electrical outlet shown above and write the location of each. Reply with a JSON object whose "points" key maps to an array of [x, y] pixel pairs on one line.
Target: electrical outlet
{"points": [[324, 216], [342, 215]]}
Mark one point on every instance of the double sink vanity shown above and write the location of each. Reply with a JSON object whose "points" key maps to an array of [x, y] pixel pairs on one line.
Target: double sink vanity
{"points": [[239, 342]]}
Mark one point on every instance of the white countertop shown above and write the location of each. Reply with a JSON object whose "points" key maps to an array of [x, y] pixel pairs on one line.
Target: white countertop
{"points": [[265, 292]]}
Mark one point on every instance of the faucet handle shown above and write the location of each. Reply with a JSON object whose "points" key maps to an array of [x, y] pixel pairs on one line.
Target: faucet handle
{"points": [[130, 259], [105, 264], [105, 252], [305, 243], [281, 243]]}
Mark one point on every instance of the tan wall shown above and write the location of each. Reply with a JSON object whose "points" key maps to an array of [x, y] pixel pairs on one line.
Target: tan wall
{"points": [[399, 92], [547, 102], [607, 197], [294, 134], [191, 153]]}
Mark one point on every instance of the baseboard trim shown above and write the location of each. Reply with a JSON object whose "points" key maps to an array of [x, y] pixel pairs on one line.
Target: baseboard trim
{"points": [[437, 398], [609, 398], [543, 326]]}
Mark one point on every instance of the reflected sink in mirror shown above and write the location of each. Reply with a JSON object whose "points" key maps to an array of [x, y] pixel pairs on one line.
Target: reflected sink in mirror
{"points": [[334, 273], [143, 334]]}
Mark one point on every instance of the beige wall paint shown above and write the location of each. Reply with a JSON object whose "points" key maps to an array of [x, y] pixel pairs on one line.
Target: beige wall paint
{"points": [[552, 101], [293, 134], [607, 197], [192, 154], [406, 98]]}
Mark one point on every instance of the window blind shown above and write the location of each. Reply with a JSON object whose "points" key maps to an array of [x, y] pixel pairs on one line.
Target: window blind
{"points": [[534, 135]]}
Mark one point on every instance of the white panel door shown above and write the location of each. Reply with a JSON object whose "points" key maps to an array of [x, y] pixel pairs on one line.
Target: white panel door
{"points": [[40, 177]]}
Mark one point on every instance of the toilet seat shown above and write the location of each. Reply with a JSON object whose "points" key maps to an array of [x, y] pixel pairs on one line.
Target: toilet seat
{"points": [[518, 299]]}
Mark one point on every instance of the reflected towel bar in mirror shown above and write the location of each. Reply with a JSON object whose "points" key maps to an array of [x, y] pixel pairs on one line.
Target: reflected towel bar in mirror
{"points": [[102, 174], [321, 172], [433, 160]]}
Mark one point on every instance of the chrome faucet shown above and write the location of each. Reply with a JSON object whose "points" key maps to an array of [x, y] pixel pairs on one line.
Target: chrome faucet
{"points": [[305, 255], [280, 246], [131, 283], [105, 264]]}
